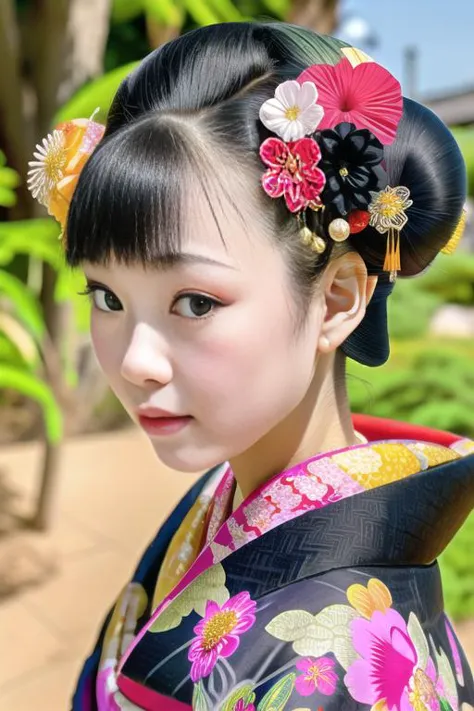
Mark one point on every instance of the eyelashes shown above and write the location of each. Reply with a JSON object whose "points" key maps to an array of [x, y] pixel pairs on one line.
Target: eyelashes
{"points": [[192, 305]]}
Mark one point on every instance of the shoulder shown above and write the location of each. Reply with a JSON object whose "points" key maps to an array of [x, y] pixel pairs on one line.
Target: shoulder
{"points": [[346, 640]]}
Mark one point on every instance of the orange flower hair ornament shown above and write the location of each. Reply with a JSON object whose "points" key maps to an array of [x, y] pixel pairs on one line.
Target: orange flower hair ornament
{"points": [[54, 173]]}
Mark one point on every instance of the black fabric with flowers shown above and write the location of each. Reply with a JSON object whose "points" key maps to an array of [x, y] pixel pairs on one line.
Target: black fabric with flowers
{"points": [[351, 160]]}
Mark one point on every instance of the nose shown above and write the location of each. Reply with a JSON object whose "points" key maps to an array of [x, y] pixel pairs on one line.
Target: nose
{"points": [[146, 359]]}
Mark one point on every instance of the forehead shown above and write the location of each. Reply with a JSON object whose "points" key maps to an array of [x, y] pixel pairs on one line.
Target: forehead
{"points": [[222, 216]]}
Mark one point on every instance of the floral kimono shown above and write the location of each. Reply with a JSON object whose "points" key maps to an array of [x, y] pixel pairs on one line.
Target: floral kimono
{"points": [[319, 592]]}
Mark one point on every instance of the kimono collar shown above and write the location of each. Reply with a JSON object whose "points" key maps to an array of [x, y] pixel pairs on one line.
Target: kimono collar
{"points": [[402, 488]]}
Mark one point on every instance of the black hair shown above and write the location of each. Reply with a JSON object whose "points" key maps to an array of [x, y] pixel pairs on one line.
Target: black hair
{"points": [[201, 94]]}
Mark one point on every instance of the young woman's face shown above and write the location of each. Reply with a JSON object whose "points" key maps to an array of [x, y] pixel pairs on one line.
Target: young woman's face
{"points": [[211, 339]]}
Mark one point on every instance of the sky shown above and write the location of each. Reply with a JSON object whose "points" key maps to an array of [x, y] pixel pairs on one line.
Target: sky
{"points": [[442, 31]]}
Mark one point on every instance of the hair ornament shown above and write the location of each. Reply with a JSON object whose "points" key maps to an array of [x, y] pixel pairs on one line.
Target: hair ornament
{"points": [[293, 172], [332, 125], [456, 237], [54, 173], [388, 216], [339, 229], [366, 95], [358, 220], [293, 113], [312, 240], [351, 161]]}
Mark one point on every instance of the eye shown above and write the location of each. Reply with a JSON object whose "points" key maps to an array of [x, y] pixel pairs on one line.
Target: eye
{"points": [[196, 306], [103, 299]]}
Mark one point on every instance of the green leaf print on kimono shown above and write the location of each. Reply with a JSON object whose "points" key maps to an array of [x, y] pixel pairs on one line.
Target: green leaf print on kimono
{"points": [[317, 635], [240, 699], [387, 660], [210, 585], [276, 698]]}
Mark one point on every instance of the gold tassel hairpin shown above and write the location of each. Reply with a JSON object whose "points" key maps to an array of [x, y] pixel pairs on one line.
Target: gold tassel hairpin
{"points": [[388, 216]]}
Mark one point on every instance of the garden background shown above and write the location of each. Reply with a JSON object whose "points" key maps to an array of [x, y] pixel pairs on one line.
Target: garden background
{"points": [[62, 59]]}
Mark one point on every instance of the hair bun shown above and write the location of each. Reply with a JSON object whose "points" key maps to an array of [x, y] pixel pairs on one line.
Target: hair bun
{"points": [[426, 159]]}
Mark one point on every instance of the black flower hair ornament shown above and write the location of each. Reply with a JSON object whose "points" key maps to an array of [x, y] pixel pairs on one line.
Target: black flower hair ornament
{"points": [[351, 160]]}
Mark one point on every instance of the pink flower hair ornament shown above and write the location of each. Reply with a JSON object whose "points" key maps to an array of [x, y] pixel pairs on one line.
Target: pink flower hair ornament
{"points": [[366, 95], [293, 172], [332, 123]]}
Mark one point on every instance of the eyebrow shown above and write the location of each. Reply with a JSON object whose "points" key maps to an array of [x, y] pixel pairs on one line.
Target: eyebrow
{"points": [[168, 261]]}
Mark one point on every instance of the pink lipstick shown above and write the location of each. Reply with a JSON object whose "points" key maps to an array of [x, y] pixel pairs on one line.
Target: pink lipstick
{"points": [[160, 422]]}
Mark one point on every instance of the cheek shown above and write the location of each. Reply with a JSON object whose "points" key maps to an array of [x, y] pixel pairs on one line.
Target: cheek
{"points": [[254, 358], [105, 346]]}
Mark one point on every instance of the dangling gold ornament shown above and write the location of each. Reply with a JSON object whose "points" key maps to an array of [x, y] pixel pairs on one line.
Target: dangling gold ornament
{"points": [[388, 216], [312, 240]]}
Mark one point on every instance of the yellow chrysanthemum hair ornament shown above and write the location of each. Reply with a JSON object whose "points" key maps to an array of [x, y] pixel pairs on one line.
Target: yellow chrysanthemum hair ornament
{"points": [[59, 160]]}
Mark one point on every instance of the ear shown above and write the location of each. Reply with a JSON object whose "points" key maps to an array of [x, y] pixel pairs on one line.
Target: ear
{"points": [[347, 291]]}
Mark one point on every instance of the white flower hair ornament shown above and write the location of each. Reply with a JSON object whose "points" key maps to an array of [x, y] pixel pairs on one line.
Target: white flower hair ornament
{"points": [[294, 112]]}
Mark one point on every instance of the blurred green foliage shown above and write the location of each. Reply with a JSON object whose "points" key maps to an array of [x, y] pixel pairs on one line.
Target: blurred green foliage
{"points": [[22, 327], [426, 383], [414, 302], [464, 135], [98, 94], [9, 180]]}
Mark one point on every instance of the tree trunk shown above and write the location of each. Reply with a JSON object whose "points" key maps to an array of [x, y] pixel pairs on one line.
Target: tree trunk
{"points": [[318, 15], [87, 33], [41, 519], [66, 53], [12, 121]]}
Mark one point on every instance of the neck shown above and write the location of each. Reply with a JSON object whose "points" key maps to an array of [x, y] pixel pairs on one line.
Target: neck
{"points": [[320, 423]]}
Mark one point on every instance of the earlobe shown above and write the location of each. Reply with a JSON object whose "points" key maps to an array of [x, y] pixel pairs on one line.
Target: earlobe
{"points": [[347, 290]]}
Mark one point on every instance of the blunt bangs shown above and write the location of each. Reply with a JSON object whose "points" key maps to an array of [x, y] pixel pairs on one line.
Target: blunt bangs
{"points": [[129, 200]]}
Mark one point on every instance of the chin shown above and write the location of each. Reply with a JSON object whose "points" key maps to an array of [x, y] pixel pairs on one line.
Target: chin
{"points": [[188, 460]]}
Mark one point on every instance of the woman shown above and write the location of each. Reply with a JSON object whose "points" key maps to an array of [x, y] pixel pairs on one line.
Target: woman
{"points": [[241, 224]]}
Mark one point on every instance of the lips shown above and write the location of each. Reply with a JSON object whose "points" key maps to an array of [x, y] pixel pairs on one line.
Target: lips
{"points": [[161, 422]]}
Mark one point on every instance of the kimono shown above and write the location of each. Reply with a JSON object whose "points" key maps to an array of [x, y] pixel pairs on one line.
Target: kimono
{"points": [[319, 592]]}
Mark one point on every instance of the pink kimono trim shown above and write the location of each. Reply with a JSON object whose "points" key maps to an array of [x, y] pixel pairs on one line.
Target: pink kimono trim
{"points": [[150, 700]]}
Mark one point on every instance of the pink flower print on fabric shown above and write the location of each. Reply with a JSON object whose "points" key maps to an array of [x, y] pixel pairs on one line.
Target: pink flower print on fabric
{"points": [[259, 514], [318, 675], [422, 690], [218, 633], [343, 484], [283, 496], [239, 536], [310, 486], [455, 652], [388, 661], [242, 706], [222, 497]]}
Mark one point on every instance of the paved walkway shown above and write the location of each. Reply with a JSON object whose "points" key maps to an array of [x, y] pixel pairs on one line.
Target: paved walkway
{"points": [[111, 497], [55, 588]]}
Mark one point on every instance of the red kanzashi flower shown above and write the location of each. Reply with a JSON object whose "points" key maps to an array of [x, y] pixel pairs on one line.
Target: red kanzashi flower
{"points": [[366, 95], [293, 172], [218, 632]]}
